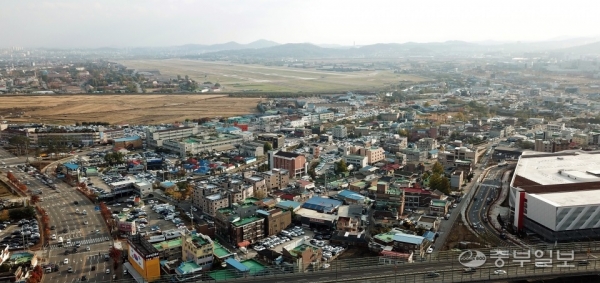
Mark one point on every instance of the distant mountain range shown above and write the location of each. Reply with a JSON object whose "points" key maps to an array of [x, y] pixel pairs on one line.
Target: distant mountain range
{"points": [[265, 49]]}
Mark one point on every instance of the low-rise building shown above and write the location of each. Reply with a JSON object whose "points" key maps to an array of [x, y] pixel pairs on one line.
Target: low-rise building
{"points": [[276, 178], [439, 208], [198, 248], [358, 161], [276, 220], [294, 163], [340, 132]]}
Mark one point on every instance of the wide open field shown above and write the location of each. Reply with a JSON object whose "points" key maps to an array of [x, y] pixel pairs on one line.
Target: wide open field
{"points": [[117, 109], [246, 77]]}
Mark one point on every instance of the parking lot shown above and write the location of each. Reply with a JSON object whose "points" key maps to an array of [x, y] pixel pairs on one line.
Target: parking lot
{"points": [[147, 219]]}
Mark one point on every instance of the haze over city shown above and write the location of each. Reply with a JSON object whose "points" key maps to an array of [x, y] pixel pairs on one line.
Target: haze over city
{"points": [[112, 23]]}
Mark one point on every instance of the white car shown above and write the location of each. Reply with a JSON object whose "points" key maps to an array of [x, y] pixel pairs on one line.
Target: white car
{"points": [[53, 237], [107, 271], [499, 272], [429, 250], [66, 261]]}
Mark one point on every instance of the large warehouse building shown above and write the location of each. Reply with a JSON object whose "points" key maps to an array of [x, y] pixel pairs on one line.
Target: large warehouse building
{"points": [[557, 195]]}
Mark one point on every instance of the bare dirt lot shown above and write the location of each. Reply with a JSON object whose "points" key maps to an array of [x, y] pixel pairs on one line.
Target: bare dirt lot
{"points": [[120, 109], [253, 77]]}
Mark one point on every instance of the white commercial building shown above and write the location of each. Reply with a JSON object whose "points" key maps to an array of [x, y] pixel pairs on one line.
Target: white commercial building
{"points": [[557, 195], [340, 132]]}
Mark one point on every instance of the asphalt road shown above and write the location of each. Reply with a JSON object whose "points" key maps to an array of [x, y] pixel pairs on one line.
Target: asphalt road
{"points": [[70, 225], [482, 199]]}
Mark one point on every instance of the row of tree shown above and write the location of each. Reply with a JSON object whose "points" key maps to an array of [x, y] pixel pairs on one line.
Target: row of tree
{"points": [[15, 181], [36, 275]]}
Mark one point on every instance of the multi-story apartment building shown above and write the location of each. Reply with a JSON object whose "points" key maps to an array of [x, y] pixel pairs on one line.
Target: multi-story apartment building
{"points": [[155, 137], [88, 137], [581, 139], [252, 149], [390, 116], [340, 132], [555, 127], [111, 135], [277, 141], [395, 144], [197, 248], [294, 163], [248, 229], [427, 144], [417, 134], [449, 156], [554, 145], [414, 155], [358, 161], [210, 204], [374, 154], [276, 178], [275, 220]]}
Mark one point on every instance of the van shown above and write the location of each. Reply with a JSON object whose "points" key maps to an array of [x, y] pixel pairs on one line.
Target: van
{"points": [[60, 239]]}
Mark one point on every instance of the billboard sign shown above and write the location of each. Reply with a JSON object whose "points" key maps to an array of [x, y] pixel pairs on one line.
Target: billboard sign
{"points": [[139, 260]]}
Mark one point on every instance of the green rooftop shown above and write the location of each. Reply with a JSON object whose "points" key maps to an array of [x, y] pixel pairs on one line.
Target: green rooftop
{"points": [[438, 202], [245, 221], [385, 237], [254, 266], [250, 201], [199, 240], [219, 250], [359, 184], [223, 274], [188, 267], [168, 244], [225, 210]]}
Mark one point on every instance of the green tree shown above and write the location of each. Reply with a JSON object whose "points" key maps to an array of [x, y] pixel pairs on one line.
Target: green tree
{"points": [[21, 143], [217, 85], [341, 167], [437, 168], [403, 132], [267, 146], [427, 104]]}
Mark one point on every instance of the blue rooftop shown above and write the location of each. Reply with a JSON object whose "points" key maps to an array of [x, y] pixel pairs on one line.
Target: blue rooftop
{"points": [[351, 195], [435, 151], [237, 265], [407, 238], [324, 204], [126, 139], [167, 184], [71, 166], [430, 236]]}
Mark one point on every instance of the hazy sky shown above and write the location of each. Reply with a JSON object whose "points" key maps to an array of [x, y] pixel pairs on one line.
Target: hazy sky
{"points": [[129, 23]]}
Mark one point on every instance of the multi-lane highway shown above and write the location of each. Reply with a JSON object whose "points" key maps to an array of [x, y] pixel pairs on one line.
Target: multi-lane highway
{"points": [[70, 224], [75, 227], [483, 197]]}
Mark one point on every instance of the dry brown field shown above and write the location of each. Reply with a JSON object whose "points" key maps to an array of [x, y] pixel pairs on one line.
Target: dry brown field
{"points": [[122, 109]]}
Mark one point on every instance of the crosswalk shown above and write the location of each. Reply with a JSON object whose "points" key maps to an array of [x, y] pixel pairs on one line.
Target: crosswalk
{"points": [[83, 242]]}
